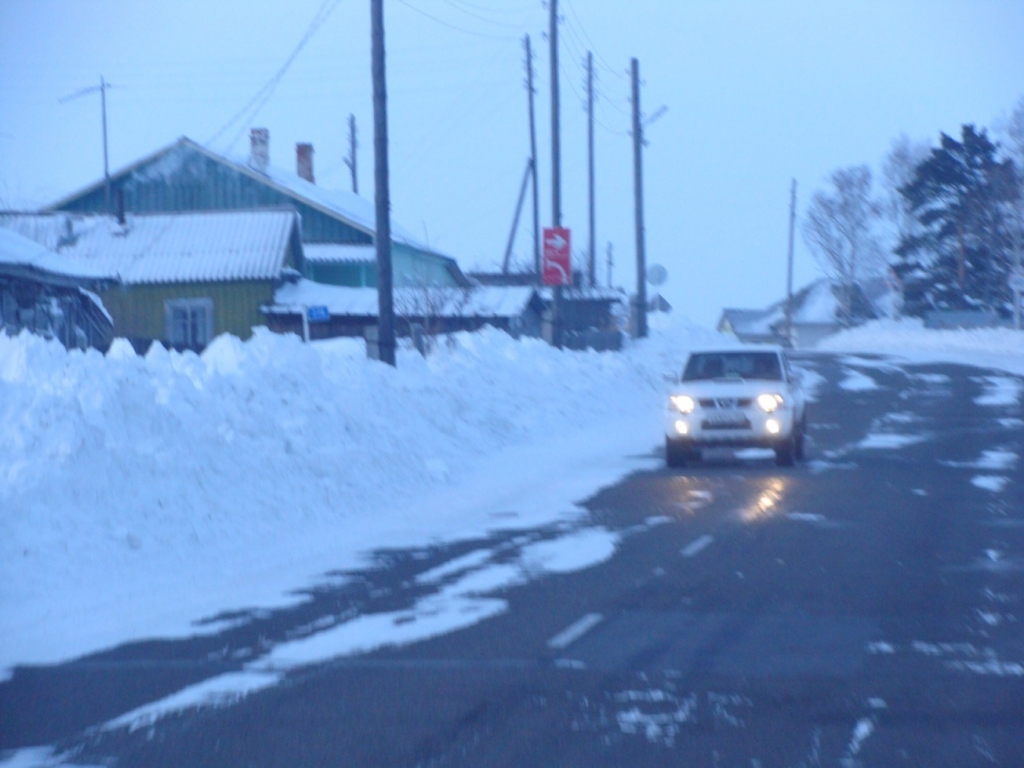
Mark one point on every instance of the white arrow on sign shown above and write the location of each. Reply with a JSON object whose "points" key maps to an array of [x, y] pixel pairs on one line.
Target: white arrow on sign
{"points": [[557, 242]]}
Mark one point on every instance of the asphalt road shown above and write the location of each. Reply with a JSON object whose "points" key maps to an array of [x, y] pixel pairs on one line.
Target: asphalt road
{"points": [[861, 608]]}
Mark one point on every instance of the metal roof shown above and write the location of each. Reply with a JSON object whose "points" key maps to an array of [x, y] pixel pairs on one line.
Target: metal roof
{"points": [[165, 248]]}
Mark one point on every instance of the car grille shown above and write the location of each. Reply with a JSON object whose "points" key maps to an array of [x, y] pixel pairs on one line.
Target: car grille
{"points": [[725, 403]]}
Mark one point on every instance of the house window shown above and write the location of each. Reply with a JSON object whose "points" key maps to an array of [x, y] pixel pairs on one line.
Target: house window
{"points": [[188, 323]]}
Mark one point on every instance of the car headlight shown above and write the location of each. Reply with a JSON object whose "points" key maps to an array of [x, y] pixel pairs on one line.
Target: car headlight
{"points": [[683, 403], [769, 403]]}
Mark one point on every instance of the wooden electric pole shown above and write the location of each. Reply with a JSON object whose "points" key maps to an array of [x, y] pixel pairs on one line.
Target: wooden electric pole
{"points": [[591, 265], [350, 161], [789, 267], [533, 162], [556, 167], [556, 145], [640, 309], [382, 196]]}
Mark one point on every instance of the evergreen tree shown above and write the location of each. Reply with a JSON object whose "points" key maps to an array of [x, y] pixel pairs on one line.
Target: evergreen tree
{"points": [[960, 256]]}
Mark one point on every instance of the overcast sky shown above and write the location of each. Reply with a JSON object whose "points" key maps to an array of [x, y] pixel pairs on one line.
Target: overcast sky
{"points": [[758, 92]]}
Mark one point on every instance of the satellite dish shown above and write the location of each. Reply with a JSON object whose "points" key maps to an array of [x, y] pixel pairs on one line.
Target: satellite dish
{"points": [[657, 274]]}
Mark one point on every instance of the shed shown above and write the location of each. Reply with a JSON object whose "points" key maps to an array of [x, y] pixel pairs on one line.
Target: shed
{"points": [[344, 311], [48, 294]]}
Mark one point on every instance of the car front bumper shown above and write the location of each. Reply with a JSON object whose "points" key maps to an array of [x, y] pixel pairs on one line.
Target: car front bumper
{"points": [[746, 427]]}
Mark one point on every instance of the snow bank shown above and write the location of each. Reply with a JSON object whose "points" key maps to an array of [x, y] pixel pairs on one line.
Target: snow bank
{"points": [[1000, 348], [139, 495]]}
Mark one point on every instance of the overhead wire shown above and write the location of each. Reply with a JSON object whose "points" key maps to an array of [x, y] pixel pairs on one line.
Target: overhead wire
{"points": [[263, 95], [457, 28]]}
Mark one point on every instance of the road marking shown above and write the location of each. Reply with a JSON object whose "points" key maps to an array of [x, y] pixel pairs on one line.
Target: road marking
{"points": [[575, 631], [697, 545]]}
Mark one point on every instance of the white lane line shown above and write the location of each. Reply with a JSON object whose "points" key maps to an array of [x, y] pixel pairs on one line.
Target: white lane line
{"points": [[697, 545], [575, 631]]}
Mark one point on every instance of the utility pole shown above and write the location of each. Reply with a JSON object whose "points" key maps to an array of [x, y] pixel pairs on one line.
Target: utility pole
{"points": [[350, 161], [533, 161], [638, 208], [382, 196], [556, 150], [556, 167], [102, 88], [592, 266], [610, 263], [789, 267]]}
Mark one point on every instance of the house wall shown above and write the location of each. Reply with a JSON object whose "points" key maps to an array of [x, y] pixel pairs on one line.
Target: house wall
{"points": [[138, 310], [410, 269]]}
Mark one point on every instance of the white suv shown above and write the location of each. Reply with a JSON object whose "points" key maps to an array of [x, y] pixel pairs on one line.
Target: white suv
{"points": [[736, 398]]}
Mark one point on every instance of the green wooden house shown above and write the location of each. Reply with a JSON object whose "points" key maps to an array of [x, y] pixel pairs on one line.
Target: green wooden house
{"points": [[337, 227]]}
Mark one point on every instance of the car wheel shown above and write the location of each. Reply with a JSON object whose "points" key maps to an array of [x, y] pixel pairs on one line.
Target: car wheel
{"points": [[676, 453], [798, 448], [785, 452]]}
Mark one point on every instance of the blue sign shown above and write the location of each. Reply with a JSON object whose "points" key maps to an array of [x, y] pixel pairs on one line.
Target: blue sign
{"points": [[318, 314]]}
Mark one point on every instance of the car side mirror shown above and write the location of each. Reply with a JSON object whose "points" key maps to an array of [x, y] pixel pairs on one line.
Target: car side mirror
{"points": [[670, 377]]}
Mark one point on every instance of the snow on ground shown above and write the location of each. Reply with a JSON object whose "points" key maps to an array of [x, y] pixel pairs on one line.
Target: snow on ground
{"points": [[855, 381], [141, 495], [1000, 348]]}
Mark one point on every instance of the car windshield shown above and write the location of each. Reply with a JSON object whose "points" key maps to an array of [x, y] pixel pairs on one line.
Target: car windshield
{"points": [[743, 365]]}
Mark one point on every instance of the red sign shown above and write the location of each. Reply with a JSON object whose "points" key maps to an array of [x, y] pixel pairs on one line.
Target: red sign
{"points": [[556, 266]]}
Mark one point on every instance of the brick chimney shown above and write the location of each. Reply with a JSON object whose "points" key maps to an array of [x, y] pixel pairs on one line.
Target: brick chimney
{"points": [[259, 149], [304, 161]]}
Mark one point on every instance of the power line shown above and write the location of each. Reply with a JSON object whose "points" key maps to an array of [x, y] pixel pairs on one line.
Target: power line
{"points": [[480, 17], [593, 47], [444, 23], [262, 96]]}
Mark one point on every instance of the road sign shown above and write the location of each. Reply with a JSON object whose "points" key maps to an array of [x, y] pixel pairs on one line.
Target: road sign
{"points": [[657, 274], [556, 265], [318, 314]]}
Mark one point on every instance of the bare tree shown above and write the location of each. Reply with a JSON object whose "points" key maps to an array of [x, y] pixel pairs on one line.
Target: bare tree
{"points": [[840, 229], [432, 307], [898, 168]]}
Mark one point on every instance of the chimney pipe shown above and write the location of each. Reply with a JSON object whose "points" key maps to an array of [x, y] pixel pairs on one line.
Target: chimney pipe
{"points": [[304, 161], [259, 149], [119, 201]]}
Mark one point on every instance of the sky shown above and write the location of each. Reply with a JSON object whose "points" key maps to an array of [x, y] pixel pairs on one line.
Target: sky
{"points": [[757, 93]]}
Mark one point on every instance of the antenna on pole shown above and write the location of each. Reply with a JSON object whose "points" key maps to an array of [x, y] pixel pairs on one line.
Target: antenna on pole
{"points": [[350, 161], [102, 88]]}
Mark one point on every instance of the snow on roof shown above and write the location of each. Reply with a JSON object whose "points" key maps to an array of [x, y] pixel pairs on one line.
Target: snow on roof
{"points": [[20, 251], [165, 248], [481, 301], [585, 293], [818, 306], [334, 253]]}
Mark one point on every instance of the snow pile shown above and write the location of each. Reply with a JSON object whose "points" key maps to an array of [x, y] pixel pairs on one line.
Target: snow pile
{"points": [[141, 494], [1001, 348]]}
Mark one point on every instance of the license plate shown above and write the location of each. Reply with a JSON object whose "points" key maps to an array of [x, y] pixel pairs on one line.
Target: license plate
{"points": [[725, 420]]}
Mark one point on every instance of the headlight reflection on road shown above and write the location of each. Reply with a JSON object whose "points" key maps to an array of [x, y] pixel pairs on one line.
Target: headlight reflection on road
{"points": [[690, 497], [766, 501]]}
